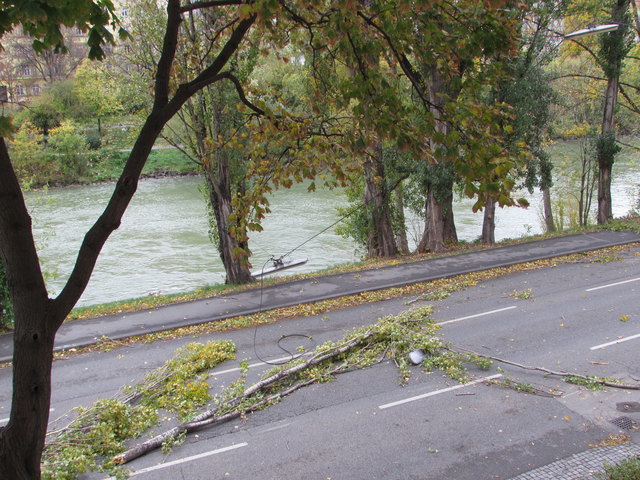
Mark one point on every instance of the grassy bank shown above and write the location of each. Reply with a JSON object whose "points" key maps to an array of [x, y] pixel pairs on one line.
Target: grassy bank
{"points": [[161, 162]]}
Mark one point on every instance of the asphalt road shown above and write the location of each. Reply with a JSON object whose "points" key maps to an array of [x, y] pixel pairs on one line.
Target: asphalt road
{"points": [[582, 317]]}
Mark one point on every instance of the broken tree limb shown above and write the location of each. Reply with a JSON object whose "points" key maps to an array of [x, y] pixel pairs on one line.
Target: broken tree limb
{"points": [[587, 378], [215, 416]]}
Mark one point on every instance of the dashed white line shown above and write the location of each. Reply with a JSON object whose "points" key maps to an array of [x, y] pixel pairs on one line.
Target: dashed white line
{"points": [[468, 317], [615, 342], [437, 392], [185, 460], [613, 284]]}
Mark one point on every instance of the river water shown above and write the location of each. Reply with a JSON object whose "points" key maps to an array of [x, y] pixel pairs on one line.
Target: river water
{"points": [[162, 245]]}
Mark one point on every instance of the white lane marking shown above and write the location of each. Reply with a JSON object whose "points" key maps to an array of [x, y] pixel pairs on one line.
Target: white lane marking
{"points": [[273, 429], [477, 315], [259, 364], [613, 284], [615, 342], [437, 392], [184, 460], [6, 420]]}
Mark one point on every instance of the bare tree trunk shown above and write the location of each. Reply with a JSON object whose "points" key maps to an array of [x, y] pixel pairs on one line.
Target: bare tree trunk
{"points": [[434, 227], [489, 222], [550, 225], [381, 241]]}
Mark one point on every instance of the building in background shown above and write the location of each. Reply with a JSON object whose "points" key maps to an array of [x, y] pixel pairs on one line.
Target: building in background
{"points": [[25, 74]]}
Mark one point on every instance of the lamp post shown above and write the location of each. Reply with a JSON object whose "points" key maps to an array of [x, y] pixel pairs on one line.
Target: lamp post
{"points": [[592, 30], [606, 147]]}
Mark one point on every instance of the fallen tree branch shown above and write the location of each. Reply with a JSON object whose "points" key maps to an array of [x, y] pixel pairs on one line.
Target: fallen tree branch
{"points": [[587, 378], [231, 410]]}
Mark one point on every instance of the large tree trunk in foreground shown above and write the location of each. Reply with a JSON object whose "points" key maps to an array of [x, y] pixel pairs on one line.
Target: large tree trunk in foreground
{"points": [[37, 317], [21, 440], [36, 320]]}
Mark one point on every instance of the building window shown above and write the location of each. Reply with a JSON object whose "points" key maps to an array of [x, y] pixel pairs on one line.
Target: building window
{"points": [[35, 90], [20, 92], [124, 12], [26, 71]]}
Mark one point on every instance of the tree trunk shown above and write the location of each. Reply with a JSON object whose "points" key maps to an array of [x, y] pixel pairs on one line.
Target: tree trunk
{"points": [[550, 225], [439, 222], [449, 229], [613, 54], [22, 440], [433, 235], [36, 321], [236, 265], [401, 229], [605, 161], [380, 241], [439, 227], [489, 222]]}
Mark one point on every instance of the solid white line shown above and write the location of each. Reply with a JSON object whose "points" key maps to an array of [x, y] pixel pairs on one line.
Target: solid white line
{"points": [[477, 315], [437, 392], [613, 284], [620, 340], [185, 460]]}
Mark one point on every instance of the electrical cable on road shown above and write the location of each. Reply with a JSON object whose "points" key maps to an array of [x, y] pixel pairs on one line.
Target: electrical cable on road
{"points": [[283, 337], [278, 264]]}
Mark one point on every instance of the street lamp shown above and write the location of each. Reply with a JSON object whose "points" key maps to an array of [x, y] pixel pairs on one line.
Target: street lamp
{"points": [[592, 30]]}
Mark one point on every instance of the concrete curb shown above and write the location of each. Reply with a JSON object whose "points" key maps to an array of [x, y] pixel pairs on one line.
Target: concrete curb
{"points": [[583, 465]]}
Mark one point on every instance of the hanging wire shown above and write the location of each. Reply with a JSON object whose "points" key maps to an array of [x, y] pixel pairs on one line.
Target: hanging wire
{"points": [[293, 355], [278, 261]]}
